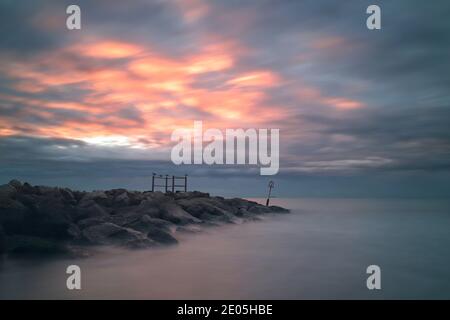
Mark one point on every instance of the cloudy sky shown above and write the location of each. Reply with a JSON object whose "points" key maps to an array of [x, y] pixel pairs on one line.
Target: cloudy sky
{"points": [[361, 113]]}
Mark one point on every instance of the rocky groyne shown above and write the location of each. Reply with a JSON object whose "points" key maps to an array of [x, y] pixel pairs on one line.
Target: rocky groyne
{"points": [[52, 220]]}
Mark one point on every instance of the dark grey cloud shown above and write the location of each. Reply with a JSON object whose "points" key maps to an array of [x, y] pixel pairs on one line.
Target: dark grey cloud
{"points": [[401, 73]]}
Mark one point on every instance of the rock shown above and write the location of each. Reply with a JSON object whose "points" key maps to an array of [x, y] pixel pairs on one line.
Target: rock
{"points": [[27, 189], [16, 184], [89, 209], [206, 209], [122, 200], [140, 243], [150, 207], [161, 236], [189, 229], [74, 232], [144, 224], [20, 244], [68, 196], [156, 229], [13, 215], [109, 233], [259, 209], [278, 209], [99, 197], [191, 195], [50, 218], [7, 191], [175, 214], [88, 222]]}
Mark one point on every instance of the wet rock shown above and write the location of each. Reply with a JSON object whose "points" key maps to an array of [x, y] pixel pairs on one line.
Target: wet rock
{"points": [[140, 243], [150, 207], [74, 232], [49, 219], [89, 209], [88, 222], [259, 209], [206, 209], [175, 214], [125, 217], [122, 200], [278, 209], [13, 215], [7, 191], [99, 197], [161, 236], [145, 223], [68, 196], [190, 195], [16, 184], [109, 233]]}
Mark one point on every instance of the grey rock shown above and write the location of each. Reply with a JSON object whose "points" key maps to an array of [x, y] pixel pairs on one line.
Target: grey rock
{"points": [[122, 200], [99, 197], [7, 191], [89, 209], [68, 196], [16, 184], [161, 236], [13, 215], [88, 222], [278, 209], [175, 214], [109, 233], [145, 223]]}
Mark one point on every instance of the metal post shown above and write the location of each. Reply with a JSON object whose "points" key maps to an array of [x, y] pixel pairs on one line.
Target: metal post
{"points": [[173, 183], [167, 179], [271, 185], [185, 183]]}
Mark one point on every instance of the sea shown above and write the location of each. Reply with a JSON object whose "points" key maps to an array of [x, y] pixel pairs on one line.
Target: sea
{"points": [[321, 250]]}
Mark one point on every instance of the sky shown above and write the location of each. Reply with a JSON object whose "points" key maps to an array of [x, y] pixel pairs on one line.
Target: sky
{"points": [[361, 113]]}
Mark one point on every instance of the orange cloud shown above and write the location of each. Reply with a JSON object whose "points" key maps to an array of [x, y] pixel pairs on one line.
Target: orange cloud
{"points": [[343, 103]]}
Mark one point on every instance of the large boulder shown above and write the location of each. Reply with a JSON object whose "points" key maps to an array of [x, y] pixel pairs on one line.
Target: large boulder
{"points": [[161, 236], [89, 209], [176, 214], [151, 207], [126, 216], [99, 197], [207, 209], [156, 229], [88, 222], [121, 200], [7, 191], [13, 215], [145, 222], [16, 184], [50, 218], [111, 234], [68, 196]]}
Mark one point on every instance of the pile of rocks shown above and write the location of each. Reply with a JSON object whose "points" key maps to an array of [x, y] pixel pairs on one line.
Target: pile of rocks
{"points": [[40, 219]]}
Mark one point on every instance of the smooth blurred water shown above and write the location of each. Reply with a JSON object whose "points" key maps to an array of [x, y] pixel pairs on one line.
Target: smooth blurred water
{"points": [[320, 250]]}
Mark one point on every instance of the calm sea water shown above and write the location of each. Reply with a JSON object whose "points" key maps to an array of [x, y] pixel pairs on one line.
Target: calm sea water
{"points": [[320, 250]]}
